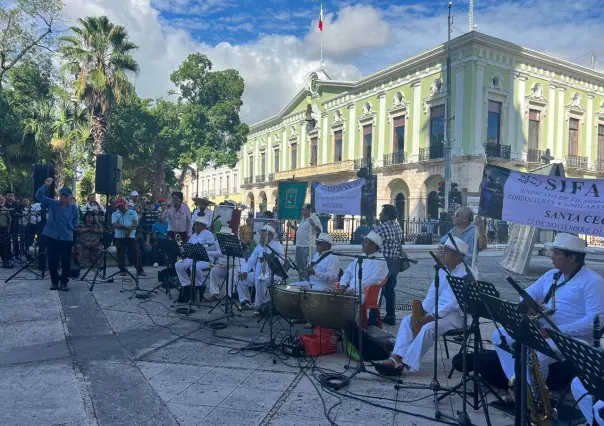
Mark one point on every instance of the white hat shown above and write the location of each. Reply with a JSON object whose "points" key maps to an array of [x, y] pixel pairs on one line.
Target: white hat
{"points": [[268, 228], [461, 245], [374, 237], [134, 194], [569, 242], [203, 220], [325, 238], [226, 230]]}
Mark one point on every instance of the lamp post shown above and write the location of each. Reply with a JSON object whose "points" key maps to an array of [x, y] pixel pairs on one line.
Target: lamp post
{"points": [[74, 179]]}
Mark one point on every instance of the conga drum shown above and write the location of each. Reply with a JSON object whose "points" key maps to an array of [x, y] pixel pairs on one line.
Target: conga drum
{"points": [[329, 310], [287, 301]]}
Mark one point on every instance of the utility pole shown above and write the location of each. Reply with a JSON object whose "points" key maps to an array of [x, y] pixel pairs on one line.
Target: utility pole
{"points": [[448, 114]]}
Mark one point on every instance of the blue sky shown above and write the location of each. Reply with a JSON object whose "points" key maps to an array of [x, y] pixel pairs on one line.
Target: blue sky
{"points": [[275, 43]]}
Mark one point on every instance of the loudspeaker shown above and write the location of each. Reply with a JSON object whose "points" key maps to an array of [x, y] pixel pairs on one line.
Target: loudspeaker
{"points": [[40, 173], [108, 175]]}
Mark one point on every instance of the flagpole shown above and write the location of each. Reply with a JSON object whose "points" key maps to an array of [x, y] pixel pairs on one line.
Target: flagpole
{"points": [[321, 29], [321, 63]]}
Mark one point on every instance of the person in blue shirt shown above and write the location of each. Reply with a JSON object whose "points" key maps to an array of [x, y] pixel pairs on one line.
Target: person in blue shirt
{"points": [[159, 230], [61, 220], [466, 227]]}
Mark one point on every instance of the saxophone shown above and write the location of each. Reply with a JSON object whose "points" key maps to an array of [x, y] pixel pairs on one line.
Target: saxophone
{"points": [[262, 260], [538, 400], [178, 240]]}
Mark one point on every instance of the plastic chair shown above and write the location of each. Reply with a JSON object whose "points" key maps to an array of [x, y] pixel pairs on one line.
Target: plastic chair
{"points": [[372, 301]]}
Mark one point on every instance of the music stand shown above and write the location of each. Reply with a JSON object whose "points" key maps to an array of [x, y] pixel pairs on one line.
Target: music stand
{"points": [[230, 246], [276, 269], [40, 257], [468, 294], [197, 253], [170, 250], [587, 360], [525, 333]]}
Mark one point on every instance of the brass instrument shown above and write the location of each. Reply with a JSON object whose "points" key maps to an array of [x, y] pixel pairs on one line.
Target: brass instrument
{"points": [[417, 312], [178, 240], [261, 259], [552, 291]]}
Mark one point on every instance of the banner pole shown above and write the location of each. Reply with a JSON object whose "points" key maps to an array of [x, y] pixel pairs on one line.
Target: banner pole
{"points": [[475, 247]]}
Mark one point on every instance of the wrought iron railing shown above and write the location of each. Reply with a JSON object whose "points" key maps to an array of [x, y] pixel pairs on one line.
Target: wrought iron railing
{"points": [[397, 157], [599, 165], [211, 193], [576, 162], [271, 177], [433, 152], [535, 156], [248, 180], [497, 150], [320, 170], [359, 163], [260, 178]]}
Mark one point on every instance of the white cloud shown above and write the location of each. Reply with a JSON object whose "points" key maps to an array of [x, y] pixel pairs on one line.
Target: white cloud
{"points": [[358, 39]]}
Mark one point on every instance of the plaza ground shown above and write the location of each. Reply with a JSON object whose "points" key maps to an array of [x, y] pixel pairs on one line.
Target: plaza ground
{"points": [[88, 358]]}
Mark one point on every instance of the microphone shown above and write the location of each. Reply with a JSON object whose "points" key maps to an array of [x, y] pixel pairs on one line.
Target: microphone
{"points": [[596, 331]]}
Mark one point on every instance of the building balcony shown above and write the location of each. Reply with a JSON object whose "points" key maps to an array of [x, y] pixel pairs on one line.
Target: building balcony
{"points": [[211, 193], [359, 163], [319, 170], [599, 165], [248, 180], [576, 162], [497, 150], [433, 152], [397, 157], [260, 178], [271, 177], [535, 156]]}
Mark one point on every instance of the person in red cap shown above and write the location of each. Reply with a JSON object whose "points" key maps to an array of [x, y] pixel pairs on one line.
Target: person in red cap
{"points": [[124, 222]]}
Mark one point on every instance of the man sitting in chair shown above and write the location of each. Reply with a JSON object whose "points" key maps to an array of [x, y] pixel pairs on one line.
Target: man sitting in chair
{"points": [[255, 273], [324, 267], [219, 271], [579, 298], [200, 236], [408, 350], [374, 267]]}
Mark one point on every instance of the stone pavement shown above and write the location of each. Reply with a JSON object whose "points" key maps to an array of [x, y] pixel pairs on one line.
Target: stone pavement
{"points": [[101, 357]]}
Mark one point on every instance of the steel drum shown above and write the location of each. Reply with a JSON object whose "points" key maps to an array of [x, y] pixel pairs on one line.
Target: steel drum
{"points": [[329, 310], [287, 301]]}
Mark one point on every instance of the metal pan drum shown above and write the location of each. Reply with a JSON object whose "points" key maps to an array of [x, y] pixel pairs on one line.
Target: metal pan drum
{"points": [[329, 310], [287, 301]]}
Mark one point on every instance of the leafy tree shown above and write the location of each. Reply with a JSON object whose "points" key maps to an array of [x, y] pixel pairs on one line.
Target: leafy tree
{"points": [[99, 54], [26, 28], [210, 103]]}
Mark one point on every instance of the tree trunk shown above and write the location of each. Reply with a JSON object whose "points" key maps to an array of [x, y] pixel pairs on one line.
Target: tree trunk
{"points": [[99, 128]]}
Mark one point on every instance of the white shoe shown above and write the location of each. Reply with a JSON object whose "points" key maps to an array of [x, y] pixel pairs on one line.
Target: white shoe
{"points": [[156, 265]]}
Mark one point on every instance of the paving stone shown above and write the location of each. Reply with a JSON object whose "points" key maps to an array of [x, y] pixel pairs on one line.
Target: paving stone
{"points": [[225, 376], [229, 416], [204, 394], [188, 415], [269, 380], [251, 400]]}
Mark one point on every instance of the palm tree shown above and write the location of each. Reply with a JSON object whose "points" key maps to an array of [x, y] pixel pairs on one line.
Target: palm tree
{"points": [[99, 54]]}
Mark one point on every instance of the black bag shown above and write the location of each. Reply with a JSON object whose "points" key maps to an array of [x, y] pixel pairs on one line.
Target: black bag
{"points": [[377, 344]]}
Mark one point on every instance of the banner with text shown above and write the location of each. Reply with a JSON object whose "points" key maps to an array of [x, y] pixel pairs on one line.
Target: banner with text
{"points": [[291, 198], [546, 202], [343, 199]]}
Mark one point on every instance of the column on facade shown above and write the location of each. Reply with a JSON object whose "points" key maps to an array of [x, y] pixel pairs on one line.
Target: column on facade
{"points": [[381, 128], [457, 148], [558, 152], [269, 156], [303, 145], [552, 118], [479, 101], [322, 146], [284, 149], [521, 114], [256, 159], [416, 114], [244, 166], [351, 131], [512, 114], [589, 127]]}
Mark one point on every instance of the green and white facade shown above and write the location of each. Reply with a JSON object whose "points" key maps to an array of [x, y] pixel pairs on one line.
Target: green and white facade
{"points": [[508, 102]]}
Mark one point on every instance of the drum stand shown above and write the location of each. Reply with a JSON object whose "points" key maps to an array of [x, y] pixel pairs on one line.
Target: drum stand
{"points": [[230, 246]]}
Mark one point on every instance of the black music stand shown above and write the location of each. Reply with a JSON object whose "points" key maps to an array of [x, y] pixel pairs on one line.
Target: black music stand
{"points": [[587, 360], [468, 294], [197, 253], [40, 257], [525, 333], [170, 250], [276, 269], [230, 246]]}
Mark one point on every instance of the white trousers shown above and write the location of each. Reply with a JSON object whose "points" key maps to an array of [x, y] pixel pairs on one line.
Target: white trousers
{"points": [[262, 292], [506, 359], [182, 268], [411, 349], [218, 276], [589, 410]]}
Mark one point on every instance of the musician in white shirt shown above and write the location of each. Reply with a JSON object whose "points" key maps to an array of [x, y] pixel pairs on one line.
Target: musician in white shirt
{"points": [[408, 350], [256, 272], [374, 267], [579, 298], [200, 236], [324, 268], [306, 232], [219, 271]]}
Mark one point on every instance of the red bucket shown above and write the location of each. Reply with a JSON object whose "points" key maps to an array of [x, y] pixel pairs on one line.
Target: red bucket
{"points": [[322, 342]]}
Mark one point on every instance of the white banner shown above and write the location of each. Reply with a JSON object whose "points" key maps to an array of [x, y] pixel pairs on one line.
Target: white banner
{"points": [[343, 199], [546, 202]]}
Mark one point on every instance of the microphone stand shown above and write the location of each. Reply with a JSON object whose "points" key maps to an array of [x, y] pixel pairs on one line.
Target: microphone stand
{"points": [[360, 367]]}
